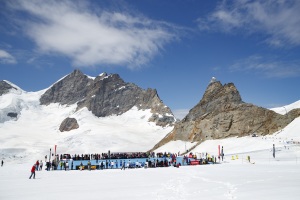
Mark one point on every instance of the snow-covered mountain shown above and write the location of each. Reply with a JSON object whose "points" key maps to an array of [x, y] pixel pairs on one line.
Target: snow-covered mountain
{"points": [[30, 121], [29, 138], [32, 127]]}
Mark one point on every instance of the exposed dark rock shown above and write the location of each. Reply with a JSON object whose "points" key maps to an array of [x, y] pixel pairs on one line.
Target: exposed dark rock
{"points": [[69, 90], [221, 113], [5, 87], [107, 95], [68, 124], [12, 114]]}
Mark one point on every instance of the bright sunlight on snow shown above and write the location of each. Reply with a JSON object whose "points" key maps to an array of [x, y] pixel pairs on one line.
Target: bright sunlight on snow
{"points": [[236, 177]]}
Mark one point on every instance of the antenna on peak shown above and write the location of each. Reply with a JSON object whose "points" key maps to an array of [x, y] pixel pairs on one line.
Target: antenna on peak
{"points": [[213, 79]]}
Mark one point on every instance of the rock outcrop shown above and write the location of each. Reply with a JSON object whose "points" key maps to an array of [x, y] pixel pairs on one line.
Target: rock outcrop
{"points": [[5, 87], [221, 113], [107, 95], [68, 124], [69, 90], [13, 108], [12, 115]]}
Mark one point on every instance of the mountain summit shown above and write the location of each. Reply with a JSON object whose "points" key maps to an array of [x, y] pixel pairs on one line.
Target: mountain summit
{"points": [[107, 95], [221, 113], [80, 114]]}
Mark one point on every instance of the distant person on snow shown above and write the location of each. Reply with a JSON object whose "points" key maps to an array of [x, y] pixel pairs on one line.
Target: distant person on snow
{"points": [[222, 153], [32, 172], [2, 163], [123, 165], [37, 165], [273, 150], [81, 166], [41, 165]]}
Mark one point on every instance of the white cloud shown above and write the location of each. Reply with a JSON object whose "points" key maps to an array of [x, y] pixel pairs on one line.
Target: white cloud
{"points": [[6, 57], [268, 67], [279, 20], [89, 37]]}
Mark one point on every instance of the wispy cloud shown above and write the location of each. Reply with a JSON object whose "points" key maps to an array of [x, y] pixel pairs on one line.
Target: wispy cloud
{"points": [[278, 20], [7, 58], [268, 67], [90, 36]]}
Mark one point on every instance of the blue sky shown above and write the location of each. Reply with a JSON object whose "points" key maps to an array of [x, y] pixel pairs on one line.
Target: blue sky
{"points": [[174, 46]]}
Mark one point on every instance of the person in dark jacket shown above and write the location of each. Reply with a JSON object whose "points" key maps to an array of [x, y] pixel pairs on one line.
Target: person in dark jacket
{"points": [[32, 172], [222, 153]]}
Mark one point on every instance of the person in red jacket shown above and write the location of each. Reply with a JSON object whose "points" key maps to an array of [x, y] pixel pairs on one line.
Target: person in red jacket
{"points": [[37, 165], [32, 172]]}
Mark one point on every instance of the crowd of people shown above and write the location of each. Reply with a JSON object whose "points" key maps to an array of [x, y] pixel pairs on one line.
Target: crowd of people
{"points": [[119, 160], [108, 160], [103, 156]]}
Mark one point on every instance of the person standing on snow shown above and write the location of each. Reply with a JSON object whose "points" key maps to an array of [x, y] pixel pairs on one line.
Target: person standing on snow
{"points": [[222, 153], [41, 165], [81, 166], [32, 172], [124, 165], [273, 150], [112, 163], [89, 165], [2, 163], [67, 166], [37, 165]]}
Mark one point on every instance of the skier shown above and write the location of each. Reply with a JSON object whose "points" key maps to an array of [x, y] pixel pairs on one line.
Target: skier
{"points": [[2, 163], [32, 172], [273, 150]]}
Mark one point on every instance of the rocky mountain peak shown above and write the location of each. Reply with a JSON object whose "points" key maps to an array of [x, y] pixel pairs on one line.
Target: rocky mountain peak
{"points": [[217, 97], [107, 95], [215, 90], [102, 75], [68, 90], [221, 113]]}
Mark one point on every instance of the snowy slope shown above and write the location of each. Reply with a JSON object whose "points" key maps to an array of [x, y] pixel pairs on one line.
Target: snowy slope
{"points": [[214, 182], [29, 138], [36, 130], [285, 109]]}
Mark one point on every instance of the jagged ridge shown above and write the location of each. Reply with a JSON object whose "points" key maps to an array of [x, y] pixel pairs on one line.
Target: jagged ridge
{"points": [[221, 113], [107, 95]]}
